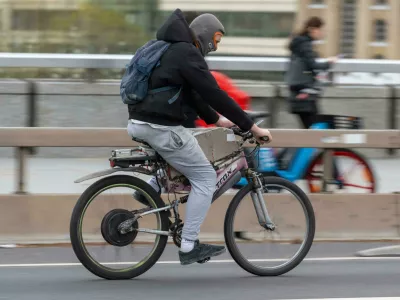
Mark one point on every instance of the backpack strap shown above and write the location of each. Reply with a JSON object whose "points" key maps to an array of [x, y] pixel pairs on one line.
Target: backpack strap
{"points": [[164, 89], [173, 99], [161, 89]]}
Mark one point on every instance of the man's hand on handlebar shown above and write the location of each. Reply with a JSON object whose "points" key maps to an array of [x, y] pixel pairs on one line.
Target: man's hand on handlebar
{"points": [[262, 135]]}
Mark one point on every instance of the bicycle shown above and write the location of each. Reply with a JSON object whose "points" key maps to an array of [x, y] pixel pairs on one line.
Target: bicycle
{"points": [[304, 161], [120, 227]]}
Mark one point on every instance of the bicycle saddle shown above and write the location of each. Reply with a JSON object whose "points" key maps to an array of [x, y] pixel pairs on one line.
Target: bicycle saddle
{"points": [[257, 114], [140, 141]]}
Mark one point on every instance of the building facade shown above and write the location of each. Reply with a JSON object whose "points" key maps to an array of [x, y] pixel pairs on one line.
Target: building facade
{"points": [[25, 24], [253, 27], [358, 28]]}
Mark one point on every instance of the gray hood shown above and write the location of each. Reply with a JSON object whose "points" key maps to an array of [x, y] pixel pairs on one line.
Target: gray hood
{"points": [[204, 28]]}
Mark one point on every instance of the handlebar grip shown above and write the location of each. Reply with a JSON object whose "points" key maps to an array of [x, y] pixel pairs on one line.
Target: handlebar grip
{"points": [[265, 139]]}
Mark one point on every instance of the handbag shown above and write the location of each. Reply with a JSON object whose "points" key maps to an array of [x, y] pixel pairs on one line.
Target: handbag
{"points": [[303, 102]]}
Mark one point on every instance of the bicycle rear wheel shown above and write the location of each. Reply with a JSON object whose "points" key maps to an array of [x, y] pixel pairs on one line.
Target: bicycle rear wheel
{"points": [[239, 240], [94, 228]]}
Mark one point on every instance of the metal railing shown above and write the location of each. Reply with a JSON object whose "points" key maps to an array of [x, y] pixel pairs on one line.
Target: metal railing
{"points": [[223, 63], [100, 61], [25, 138]]}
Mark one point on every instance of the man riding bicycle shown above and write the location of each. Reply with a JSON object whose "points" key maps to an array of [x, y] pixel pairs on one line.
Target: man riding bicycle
{"points": [[159, 122]]}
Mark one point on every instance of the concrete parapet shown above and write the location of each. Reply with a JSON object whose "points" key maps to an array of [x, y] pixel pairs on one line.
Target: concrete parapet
{"points": [[344, 217]]}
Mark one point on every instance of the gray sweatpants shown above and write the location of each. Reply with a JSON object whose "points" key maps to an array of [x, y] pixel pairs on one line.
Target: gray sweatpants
{"points": [[178, 146]]}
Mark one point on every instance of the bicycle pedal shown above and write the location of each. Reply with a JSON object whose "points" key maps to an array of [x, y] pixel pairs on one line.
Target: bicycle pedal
{"points": [[203, 261]]}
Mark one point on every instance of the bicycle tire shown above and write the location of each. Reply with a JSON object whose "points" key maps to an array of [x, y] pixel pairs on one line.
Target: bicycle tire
{"points": [[229, 232], [75, 234], [352, 153]]}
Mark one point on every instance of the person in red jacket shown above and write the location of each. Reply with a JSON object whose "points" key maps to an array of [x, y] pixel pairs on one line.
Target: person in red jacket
{"points": [[226, 84]]}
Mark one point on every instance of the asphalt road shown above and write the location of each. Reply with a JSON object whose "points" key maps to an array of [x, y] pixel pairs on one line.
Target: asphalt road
{"points": [[330, 271]]}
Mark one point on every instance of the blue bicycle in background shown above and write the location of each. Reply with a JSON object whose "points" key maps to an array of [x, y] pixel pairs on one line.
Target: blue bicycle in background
{"points": [[307, 163]]}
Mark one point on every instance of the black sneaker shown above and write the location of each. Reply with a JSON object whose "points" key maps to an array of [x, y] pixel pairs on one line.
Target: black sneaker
{"points": [[200, 252]]}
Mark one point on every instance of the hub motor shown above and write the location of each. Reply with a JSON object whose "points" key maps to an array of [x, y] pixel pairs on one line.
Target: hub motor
{"points": [[109, 228]]}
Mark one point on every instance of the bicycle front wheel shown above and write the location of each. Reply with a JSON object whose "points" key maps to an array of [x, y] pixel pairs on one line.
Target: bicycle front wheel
{"points": [[265, 252]]}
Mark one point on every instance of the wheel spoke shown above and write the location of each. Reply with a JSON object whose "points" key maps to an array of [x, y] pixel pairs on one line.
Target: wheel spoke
{"points": [[358, 186]]}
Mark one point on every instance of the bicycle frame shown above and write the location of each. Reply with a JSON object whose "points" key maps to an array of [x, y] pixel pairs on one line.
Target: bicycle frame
{"points": [[301, 159], [227, 177], [229, 171]]}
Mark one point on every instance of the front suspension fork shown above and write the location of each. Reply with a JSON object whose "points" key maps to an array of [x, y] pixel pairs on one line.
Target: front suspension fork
{"points": [[259, 204]]}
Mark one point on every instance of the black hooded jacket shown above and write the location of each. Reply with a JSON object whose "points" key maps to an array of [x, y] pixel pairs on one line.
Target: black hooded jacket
{"points": [[182, 64], [303, 64]]}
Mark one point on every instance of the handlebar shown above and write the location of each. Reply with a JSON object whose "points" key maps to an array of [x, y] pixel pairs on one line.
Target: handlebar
{"points": [[247, 135]]}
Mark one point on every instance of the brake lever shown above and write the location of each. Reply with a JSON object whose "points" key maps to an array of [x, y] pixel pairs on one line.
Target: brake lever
{"points": [[236, 130]]}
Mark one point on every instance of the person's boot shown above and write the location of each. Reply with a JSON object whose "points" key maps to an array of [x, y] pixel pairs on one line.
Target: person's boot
{"points": [[200, 252]]}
